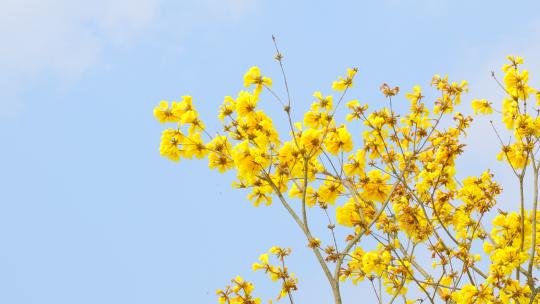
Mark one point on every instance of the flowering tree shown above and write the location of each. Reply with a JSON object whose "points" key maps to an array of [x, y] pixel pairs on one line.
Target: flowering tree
{"points": [[397, 188]]}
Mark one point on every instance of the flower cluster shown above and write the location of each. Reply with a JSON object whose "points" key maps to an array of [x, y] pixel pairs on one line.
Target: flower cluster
{"points": [[388, 178], [279, 272], [240, 292]]}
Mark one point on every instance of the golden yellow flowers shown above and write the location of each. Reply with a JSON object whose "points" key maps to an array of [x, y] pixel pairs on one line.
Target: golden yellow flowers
{"points": [[165, 114], [253, 76], [482, 106], [311, 140], [415, 96], [376, 187], [322, 103], [356, 163], [397, 210], [344, 83], [339, 140], [170, 144], [220, 154], [278, 272], [246, 104]]}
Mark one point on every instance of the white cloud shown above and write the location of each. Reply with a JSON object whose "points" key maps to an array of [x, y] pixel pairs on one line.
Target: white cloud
{"points": [[64, 38], [64, 35], [61, 38]]}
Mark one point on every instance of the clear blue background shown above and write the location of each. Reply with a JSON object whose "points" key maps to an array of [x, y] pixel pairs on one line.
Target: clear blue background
{"points": [[89, 211]]}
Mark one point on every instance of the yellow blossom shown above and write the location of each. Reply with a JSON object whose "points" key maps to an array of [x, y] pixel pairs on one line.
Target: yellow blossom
{"points": [[253, 76], [482, 106], [345, 83]]}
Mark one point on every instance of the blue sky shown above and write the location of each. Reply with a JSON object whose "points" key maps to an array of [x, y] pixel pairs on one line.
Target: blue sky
{"points": [[89, 212]]}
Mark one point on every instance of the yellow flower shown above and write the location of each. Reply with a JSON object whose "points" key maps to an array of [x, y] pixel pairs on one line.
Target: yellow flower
{"points": [[514, 62], [376, 187], [509, 112], [356, 163], [345, 83], [311, 140], [170, 142], [165, 114], [311, 195], [220, 154], [470, 294], [348, 215], [357, 110], [415, 96], [330, 190], [339, 140], [194, 146], [516, 83], [248, 160], [315, 119], [263, 258], [261, 194], [516, 292], [246, 104], [227, 108], [324, 103], [253, 76], [376, 262], [220, 162], [515, 154], [482, 106], [183, 106], [189, 117]]}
